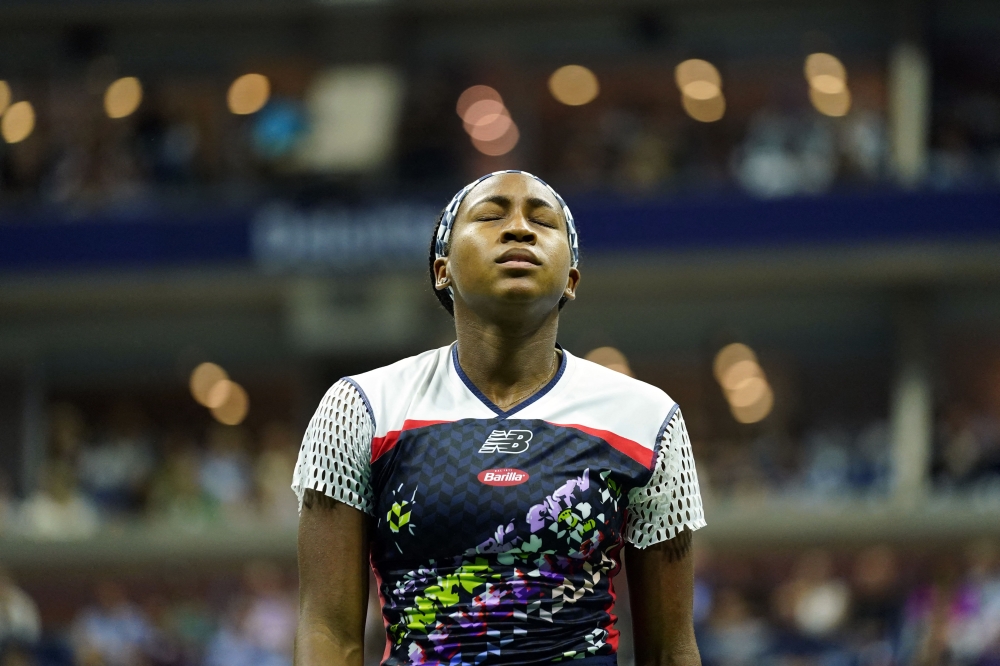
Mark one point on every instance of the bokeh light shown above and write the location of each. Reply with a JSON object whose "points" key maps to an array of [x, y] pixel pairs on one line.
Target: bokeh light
{"points": [[827, 79], [738, 373], [5, 95], [834, 105], [729, 356], [203, 380], [701, 90], [743, 382], [487, 120], [473, 95], [824, 66], [248, 94], [18, 122], [756, 411], [694, 70], [123, 97], [610, 358], [219, 393], [574, 85], [500, 146], [707, 110], [235, 406]]}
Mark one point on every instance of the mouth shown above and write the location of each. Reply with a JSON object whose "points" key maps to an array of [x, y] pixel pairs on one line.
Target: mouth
{"points": [[518, 258]]}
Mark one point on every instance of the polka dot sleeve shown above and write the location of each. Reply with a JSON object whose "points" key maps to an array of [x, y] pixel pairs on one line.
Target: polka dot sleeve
{"points": [[335, 457], [671, 500]]}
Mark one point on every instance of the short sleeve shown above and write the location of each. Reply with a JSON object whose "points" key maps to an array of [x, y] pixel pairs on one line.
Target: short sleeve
{"points": [[671, 500], [335, 457]]}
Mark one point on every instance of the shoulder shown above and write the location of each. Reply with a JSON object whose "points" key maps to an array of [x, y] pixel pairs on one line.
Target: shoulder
{"points": [[392, 390], [619, 389], [627, 413]]}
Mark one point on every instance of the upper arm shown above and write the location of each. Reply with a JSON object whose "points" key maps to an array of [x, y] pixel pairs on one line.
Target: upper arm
{"points": [[333, 582], [333, 483], [663, 515], [661, 597]]}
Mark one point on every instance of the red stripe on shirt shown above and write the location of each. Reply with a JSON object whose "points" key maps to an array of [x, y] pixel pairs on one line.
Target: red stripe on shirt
{"points": [[634, 450], [382, 445]]}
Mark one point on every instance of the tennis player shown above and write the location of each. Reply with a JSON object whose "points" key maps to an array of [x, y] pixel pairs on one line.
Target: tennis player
{"points": [[493, 483]]}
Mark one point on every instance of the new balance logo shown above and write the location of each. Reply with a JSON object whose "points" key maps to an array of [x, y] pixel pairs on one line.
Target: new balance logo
{"points": [[507, 441]]}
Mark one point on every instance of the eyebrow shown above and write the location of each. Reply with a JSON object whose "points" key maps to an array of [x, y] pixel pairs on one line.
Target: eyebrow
{"points": [[505, 201]]}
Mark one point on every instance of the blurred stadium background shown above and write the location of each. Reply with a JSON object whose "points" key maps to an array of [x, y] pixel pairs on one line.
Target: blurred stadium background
{"points": [[790, 221]]}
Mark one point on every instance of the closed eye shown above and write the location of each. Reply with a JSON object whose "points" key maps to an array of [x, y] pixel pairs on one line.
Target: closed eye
{"points": [[544, 223]]}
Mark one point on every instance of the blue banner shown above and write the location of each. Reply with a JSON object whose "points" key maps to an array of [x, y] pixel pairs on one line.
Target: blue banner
{"points": [[280, 237]]}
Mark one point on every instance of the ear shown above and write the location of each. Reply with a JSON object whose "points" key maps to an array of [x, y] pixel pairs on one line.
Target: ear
{"points": [[572, 282], [441, 278]]}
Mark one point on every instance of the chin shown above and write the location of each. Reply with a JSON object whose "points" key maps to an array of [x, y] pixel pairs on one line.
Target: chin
{"points": [[528, 298]]}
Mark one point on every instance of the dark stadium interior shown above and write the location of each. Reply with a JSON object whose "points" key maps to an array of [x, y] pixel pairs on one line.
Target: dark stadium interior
{"points": [[838, 236]]}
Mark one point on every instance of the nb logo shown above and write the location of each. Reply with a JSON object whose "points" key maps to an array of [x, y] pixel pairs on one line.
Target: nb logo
{"points": [[507, 441]]}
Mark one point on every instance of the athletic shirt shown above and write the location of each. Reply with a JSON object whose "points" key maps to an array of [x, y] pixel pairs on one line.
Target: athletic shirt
{"points": [[495, 534]]}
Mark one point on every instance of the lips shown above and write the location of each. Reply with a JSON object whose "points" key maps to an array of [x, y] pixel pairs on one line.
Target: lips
{"points": [[519, 256]]}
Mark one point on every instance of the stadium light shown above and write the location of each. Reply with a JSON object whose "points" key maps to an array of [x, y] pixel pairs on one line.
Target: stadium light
{"points": [[235, 407], [475, 94], [487, 121], [203, 380], [248, 94], [574, 85], [701, 90], [123, 97], [828, 89], [500, 146], [18, 122], [743, 383]]}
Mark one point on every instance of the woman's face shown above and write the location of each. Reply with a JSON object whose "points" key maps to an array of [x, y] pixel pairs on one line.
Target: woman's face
{"points": [[509, 247]]}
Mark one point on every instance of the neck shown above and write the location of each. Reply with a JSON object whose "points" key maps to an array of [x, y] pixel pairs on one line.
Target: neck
{"points": [[508, 362]]}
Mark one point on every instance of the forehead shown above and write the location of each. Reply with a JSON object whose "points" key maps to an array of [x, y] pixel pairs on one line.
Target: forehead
{"points": [[514, 185]]}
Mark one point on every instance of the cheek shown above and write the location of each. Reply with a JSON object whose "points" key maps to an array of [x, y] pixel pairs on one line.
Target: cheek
{"points": [[466, 256]]}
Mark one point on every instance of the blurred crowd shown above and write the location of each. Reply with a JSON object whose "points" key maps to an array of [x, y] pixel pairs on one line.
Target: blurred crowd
{"points": [[873, 607], [967, 454], [823, 463], [182, 146], [838, 461], [219, 622], [128, 470], [179, 478]]}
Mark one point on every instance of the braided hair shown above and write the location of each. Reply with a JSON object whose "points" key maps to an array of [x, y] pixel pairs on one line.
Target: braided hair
{"points": [[446, 220]]}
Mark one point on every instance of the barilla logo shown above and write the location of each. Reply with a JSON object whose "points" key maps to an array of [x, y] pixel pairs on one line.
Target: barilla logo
{"points": [[504, 476]]}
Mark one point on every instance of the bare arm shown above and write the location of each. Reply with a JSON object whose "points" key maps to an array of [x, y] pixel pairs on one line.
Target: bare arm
{"points": [[333, 583], [661, 591]]}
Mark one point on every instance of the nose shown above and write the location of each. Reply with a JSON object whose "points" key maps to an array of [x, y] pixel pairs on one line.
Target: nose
{"points": [[518, 230]]}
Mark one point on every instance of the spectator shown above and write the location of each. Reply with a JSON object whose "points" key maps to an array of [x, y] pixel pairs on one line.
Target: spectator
{"points": [[225, 470], [734, 636], [116, 470], [58, 510], [814, 602], [114, 632], [272, 615], [19, 620], [176, 495], [974, 630], [273, 468], [875, 608]]}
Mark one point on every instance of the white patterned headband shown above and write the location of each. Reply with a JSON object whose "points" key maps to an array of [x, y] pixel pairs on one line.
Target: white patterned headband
{"points": [[448, 217]]}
